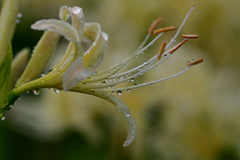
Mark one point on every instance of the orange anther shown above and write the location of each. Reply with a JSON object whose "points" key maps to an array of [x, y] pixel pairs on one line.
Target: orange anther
{"points": [[190, 36], [154, 25], [194, 62], [165, 29], [177, 46], [161, 49]]}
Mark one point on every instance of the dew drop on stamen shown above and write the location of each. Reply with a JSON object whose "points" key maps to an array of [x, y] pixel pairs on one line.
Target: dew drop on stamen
{"points": [[128, 90], [113, 92], [103, 83], [119, 93], [132, 80]]}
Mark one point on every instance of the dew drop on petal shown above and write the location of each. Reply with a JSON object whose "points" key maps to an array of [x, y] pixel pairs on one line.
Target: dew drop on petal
{"points": [[36, 92], [105, 36], [3, 118], [19, 15], [57, 90], [76, 10], [119, 93]]}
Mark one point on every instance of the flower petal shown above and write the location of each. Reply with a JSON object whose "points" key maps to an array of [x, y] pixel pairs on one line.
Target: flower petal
{"points": [[122, 107], [63, 28], [94, 55], [75, 73], [40, 57], [78, 20], [64, 13]]}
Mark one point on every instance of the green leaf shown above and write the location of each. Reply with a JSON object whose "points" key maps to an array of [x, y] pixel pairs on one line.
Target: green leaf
{"points": [[5, 71]]}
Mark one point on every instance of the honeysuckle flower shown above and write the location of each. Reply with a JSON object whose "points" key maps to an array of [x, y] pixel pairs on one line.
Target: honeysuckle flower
{"points": [[76, 71]]}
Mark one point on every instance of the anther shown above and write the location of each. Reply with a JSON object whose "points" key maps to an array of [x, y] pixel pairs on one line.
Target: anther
{"points": [[165, 29], [161, 49], [190, 36], [177, 46], [199, 60], [154, 25]]}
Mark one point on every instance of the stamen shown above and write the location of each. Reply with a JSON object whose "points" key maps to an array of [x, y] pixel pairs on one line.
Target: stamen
{"points": [[190, 36], [148, 83], [177, 46], [165, 29], [154, 25], [161, 50], [194, 62]]}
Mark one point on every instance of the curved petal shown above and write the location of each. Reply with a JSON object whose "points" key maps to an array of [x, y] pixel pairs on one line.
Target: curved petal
{"points": [[75, 74], [63, 28], [78, 20], [121, 106], [93, 56], [64, 13]]}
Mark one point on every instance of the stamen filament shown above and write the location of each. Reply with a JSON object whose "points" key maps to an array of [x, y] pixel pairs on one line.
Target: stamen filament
{"points": [[148, 83], [122, 64]]}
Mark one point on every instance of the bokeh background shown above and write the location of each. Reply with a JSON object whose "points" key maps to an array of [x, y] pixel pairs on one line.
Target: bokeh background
{"points": [[194, 116]]}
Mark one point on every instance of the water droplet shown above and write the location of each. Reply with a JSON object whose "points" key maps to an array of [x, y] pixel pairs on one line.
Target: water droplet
{"points": [[135, 84], [3, 118], [19, 15], [50, 70], [18, 21], [113, 92], [142, 52], [42, 74], [119, 93], [127, 115], [36, 92], [128, 90], [57, 90], [145, 62], [9, 107], [76, 10], [132, 80], [165, 55], [105, 36]]}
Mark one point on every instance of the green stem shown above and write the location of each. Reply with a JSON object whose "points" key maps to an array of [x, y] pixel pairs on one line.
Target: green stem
{"points": [[8, 19]]}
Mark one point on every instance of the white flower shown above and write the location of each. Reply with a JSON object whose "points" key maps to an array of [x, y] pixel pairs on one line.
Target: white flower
{"points": [[76, 71]]}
